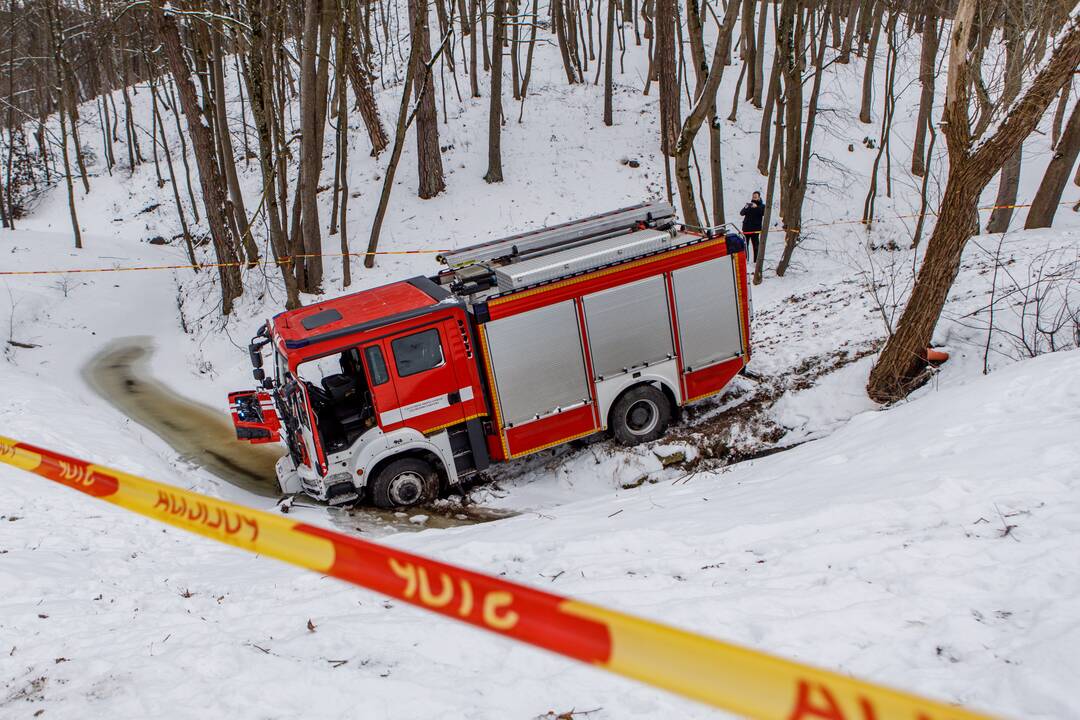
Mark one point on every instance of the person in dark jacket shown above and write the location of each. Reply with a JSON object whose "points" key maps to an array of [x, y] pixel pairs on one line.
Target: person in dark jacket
{"points": [[752, 213]]}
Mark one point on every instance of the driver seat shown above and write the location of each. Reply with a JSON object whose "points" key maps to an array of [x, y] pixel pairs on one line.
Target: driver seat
{"points": [[347, 404]]}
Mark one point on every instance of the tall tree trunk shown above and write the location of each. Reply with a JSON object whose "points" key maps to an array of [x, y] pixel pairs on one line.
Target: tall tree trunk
{"points": [[886, 123], [749, 48], [259, 79], [361, 77], [1048, 197], [927, 79], [67, 175], [1059, 115], [1009, 180], [609, 58], [669, 81], [209, 178], [311, 270], [52, 17], [159, 122], [558, 19], [343, 155], [759, 58], [924, 199], [766, 219], [849, 33], [704, 107], [868, 69], [405, 119], [494, 172], [515, 42], [225, 148], [766, 119], [789, 42], [474, 83], [529, 55], [176, 111], [427, 119]]}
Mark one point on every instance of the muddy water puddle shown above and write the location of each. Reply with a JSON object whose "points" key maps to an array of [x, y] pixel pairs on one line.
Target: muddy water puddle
{"points": [[204, 437]]}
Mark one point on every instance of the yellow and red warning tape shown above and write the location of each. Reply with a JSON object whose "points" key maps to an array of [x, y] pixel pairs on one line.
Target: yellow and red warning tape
{"points": [[745, 681]]}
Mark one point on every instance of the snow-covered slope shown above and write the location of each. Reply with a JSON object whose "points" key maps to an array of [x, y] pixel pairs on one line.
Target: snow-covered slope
{"points": [[934, 546]]}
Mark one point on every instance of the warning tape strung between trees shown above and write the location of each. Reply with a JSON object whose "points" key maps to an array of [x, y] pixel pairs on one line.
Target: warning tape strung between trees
{"points": [[206, 266], [292, 258], [748, 682]]}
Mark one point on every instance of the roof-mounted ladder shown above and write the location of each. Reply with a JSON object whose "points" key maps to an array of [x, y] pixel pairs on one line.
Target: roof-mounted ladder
{"points": [[560, 237]]}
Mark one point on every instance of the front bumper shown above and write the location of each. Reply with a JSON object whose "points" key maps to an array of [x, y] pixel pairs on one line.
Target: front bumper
{"points": [[292, 482], [287, 476]]}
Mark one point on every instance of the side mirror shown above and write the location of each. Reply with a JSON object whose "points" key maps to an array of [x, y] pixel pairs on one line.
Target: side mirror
{"points": [[259, 374]]}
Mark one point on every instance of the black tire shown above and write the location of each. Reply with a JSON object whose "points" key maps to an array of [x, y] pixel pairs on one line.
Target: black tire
{"points": [[404, 483], [640, 415]]}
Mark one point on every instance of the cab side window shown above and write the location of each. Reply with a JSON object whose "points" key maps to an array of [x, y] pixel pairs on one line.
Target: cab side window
{"points": [[376, 365], [417, 352]]}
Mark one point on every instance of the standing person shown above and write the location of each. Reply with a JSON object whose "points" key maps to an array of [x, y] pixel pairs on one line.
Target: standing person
{"points": [[752, 213]]}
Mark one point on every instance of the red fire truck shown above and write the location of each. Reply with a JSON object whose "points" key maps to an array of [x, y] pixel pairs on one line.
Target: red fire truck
{"points": [[606, 324]]}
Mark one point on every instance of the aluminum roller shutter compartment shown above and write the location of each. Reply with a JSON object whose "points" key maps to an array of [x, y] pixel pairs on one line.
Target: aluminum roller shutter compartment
{"points": [[537, 361], [707, 306], [629, 326]]}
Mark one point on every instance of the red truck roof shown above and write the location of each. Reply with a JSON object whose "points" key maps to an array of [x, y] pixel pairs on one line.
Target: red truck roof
{"points": [[357, 312]]}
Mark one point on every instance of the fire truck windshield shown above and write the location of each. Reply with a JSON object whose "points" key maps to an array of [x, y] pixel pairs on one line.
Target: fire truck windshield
{"points": [[340, 398]]}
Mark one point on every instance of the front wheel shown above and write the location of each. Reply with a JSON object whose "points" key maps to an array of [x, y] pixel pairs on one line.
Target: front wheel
{"points": [[404, 483], [640, 415]]}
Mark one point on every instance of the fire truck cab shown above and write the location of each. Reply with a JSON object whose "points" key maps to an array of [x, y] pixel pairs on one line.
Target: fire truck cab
{"points": [[391, 394]]}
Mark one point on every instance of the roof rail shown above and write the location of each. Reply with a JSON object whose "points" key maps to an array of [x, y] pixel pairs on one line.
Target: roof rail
{"points": [[655, 214]]}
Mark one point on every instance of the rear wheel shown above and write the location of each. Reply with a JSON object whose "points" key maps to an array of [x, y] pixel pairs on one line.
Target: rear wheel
{"points": [[640, 415], [404, 483]]}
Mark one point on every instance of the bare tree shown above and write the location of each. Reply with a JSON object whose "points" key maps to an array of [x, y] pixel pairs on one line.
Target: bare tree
{"points": [[1048, 196], [667, 68], [495, 113], [900, 365], [609, 57], [704, 107], [795, 167], [428, 153], [927, 79], [209, 178], [875, 17], [1014, 65]]}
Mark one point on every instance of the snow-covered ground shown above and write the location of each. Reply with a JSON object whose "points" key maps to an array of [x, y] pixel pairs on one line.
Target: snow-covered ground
{"points": [[933, 546]]}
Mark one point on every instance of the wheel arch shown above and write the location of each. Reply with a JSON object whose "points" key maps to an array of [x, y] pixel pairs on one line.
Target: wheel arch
{"points": [[426, 453], [657, 382]]}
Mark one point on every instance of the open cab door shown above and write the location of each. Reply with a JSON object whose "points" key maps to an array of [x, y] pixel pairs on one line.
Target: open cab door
{"points": [[254, 416]]}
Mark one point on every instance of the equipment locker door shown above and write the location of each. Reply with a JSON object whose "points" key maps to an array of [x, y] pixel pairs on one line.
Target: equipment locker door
{"points": [[708, 309], [541, 383]]}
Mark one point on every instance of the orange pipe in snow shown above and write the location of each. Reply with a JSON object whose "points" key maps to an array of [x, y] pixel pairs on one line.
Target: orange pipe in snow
{"points": [[936, 356]]}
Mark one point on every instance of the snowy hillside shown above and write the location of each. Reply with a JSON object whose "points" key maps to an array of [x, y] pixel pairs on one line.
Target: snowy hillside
{"points": [[933, 546], [939, 561]]}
